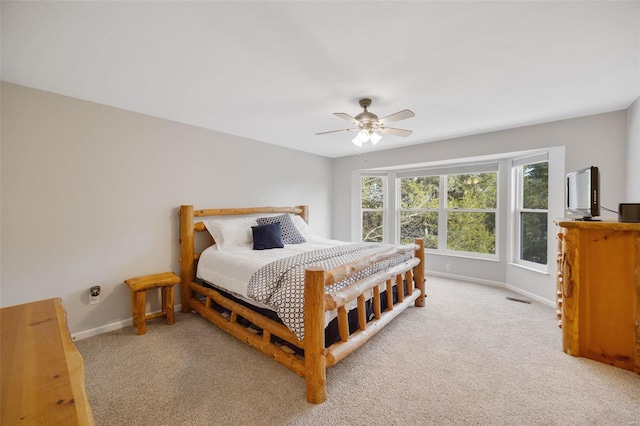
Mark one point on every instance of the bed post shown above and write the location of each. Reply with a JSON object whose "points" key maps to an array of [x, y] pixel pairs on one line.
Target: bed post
{"points": [[186, 255], [305, 213], [314, 351], [418, 272]]}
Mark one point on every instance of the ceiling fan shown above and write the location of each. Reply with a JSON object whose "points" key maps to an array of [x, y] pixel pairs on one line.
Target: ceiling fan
{"points": [[370, 127]]}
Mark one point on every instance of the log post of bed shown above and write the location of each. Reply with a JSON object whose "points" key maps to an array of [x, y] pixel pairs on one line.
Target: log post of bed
{"points": [[186, 256], [304, 212], [314, 348], [418, 273]]}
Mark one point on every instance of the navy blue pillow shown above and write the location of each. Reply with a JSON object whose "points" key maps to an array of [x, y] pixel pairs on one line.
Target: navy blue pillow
{"points": [[267, 236], [290, 234]]}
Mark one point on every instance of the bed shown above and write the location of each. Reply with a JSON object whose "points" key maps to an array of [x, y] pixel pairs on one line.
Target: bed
{"points": [[374, 286]]}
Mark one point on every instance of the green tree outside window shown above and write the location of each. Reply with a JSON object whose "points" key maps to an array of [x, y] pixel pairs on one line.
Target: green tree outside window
{"points": [[471, 218], [533, 212], [419, 203], [372, 208]]}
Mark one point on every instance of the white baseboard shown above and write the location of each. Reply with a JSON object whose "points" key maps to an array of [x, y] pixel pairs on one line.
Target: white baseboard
{"points": [[496, 284], [102, 329], [465, 278], [532, 296], [110, 327], [127, 322]]}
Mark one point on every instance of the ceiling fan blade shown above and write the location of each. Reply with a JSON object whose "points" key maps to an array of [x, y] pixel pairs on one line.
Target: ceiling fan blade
{"points": [[397, 116], [397, 132], [335, 131], [346, 117]]}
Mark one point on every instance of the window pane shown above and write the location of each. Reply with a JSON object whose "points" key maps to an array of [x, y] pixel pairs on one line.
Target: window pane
{"points": [[472, 191], [533, 237], [420, 192], [372, 194], [419, 225], [535, 188], [372, 227], [471, 231]]}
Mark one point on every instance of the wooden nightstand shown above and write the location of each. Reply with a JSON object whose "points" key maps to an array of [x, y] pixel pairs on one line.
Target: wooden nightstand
{"points": [[139, 286]]}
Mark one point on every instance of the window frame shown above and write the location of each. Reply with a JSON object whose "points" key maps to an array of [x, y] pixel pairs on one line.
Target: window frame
{"points": [[385, 203], [398, 210], [443, 209], [495, 211], [517, 168]]}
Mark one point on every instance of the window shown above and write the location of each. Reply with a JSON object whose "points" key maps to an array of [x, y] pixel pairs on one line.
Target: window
{"points": [[459, 209], [531, 204], [372, 206], [462, 221], [471, 212], [419, 208]]}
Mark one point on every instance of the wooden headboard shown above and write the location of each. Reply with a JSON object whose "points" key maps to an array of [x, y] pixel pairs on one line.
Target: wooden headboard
{"points": [[188, 227]]}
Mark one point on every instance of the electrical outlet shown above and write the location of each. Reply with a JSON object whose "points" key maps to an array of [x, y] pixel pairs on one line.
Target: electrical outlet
{"points": [[447, 266], [94, 295]]}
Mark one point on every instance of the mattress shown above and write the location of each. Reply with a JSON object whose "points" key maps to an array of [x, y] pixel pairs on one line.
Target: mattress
{"points": [[232, 268]]}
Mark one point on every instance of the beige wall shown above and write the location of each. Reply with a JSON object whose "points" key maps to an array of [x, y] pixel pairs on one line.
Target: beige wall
{"points": [[633, 155], [633, 148], [90, 195]]}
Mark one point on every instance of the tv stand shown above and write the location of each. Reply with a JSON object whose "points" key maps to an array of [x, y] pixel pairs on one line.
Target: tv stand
{"points": [[598, 291]]}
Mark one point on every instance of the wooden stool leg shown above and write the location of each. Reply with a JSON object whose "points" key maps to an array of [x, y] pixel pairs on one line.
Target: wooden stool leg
{"points": [[168, 306], [134, 309], [163, 303], [141, 323]]}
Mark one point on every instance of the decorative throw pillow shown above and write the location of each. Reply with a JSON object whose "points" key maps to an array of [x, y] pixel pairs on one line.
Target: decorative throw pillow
{"points": [[267, 236], [290, 234], [230, 232]]}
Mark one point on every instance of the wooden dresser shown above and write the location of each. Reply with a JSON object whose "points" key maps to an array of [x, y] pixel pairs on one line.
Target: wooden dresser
{"points": [[41, 371], [598, 291]]}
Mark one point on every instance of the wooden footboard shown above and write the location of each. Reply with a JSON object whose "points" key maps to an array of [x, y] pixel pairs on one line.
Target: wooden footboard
{"points": [[269, 336]]}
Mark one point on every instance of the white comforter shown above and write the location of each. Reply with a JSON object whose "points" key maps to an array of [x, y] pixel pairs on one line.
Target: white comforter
{"points": [[232, 268]]}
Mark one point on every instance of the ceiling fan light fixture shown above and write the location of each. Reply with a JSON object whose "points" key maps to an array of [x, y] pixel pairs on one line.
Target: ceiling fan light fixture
{"points": [[375, 138], [369, 127], [363, 136]]}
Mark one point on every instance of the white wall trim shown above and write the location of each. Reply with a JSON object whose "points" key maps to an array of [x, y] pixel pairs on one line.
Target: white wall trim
{"points": [[112, 326], [102, 329], [464, 278], [127, 322], [535, 297]]}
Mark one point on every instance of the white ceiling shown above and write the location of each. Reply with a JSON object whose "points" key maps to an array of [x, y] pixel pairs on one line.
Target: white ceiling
{"points": [[276, 71]]}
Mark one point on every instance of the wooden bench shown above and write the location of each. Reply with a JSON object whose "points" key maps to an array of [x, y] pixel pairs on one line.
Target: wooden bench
{"points": [[139, 286]]}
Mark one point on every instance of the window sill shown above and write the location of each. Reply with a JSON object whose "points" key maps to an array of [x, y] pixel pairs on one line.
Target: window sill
{"points": [[463, 256], [530, 268]]}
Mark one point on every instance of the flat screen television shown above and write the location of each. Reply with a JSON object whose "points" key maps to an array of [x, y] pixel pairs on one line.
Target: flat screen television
{"points": [[583, 193]]}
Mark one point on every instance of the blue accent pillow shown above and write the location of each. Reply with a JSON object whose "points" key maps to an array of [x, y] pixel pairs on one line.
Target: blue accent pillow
{"points": [[289, 232], [267, 236]]}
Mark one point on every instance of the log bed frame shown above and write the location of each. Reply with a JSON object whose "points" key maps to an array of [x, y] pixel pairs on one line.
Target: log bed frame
{"points": [[316, 357]]}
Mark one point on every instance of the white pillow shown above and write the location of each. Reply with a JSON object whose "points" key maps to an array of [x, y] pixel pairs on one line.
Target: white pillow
{"points": [[302, 226], [231, 232]]}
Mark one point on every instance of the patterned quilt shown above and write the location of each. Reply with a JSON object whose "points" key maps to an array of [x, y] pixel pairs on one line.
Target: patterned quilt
{"points": [[280, 284]]}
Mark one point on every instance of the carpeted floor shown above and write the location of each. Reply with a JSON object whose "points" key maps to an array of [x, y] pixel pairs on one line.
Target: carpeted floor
{"points": [[469, 357]]}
